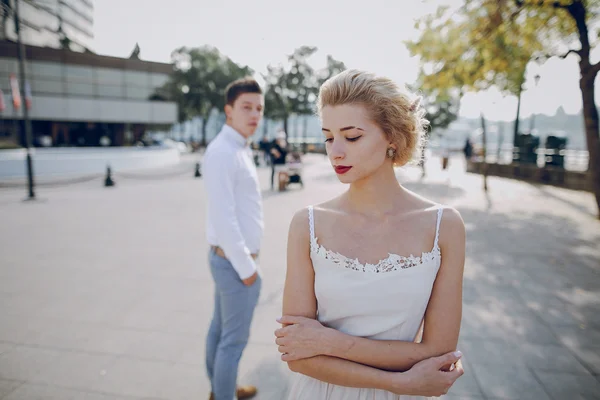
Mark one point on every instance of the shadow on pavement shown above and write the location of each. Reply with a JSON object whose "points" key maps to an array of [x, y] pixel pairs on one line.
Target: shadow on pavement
{"points": [[532, 280]]}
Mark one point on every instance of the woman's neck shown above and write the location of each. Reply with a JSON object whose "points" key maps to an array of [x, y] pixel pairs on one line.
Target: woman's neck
{"points": [[377, 194]]}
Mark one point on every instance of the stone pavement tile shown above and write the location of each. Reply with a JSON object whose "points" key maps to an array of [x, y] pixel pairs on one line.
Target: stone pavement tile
{"points": [[264, 325], [17, 328], [578, 336], [23, 303], [142, 316], [8, 386], [61, 333], [514, 329], [160, 346], [261, 366], [486, 351], [584, 343], [24, 363], [4, 347], [109, 340], [551, 358], [185, 322], [133, 377], [74, 370], [557, 312], [543, 357], [589, 356], [184, 382], [30, 391], [466, 386], [194, 352], [567, 386], [505, 381]]}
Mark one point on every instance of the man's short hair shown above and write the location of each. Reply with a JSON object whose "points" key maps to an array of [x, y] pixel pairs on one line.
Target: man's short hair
{"points": [[240, 86]]}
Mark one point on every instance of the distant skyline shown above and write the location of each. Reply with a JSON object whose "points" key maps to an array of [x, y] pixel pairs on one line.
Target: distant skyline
{"points": [[264, 32]]}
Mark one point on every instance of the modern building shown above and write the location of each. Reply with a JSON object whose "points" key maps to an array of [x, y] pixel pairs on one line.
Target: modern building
{"points": [[50, 23], [83, 99], [76, 97]]}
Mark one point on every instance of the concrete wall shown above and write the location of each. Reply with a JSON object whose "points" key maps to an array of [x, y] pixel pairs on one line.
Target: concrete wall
{"points": [[84, 161]]}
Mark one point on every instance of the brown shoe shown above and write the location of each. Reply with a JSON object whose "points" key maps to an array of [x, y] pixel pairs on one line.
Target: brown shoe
{"points": [[243, 392], [246, 392]]}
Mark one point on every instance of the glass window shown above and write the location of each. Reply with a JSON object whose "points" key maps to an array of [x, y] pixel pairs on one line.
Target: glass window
{"points": [[45, 86], [137, 78], [109, 76], [110, 91], [49, 69], [159, 80], [79, 73], [5, 84], [138, 93], [8, 65], [80, 89]]}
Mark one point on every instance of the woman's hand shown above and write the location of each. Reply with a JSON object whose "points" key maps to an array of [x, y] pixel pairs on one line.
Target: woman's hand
{"points": [[426, 378], [301, 338]]}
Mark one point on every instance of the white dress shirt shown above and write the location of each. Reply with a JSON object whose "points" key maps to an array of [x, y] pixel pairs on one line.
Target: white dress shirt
{"points": [[234, 216]]}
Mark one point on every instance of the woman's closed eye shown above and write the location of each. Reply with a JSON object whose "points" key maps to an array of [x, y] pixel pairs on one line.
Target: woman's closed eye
{"points": [[352, 139]]}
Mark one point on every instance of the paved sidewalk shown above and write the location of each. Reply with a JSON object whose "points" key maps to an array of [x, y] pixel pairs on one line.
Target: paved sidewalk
{"points": [[105, 293]]}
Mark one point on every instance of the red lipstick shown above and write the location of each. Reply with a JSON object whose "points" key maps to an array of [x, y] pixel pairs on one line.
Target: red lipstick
{"points": [[341, 169]]}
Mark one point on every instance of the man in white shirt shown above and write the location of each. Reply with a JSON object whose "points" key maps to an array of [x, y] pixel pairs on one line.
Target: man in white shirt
{"points": [[234, 231]]}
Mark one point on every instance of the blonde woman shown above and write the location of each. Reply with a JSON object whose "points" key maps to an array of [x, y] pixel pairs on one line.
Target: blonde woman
{"points": [[373, 293]]}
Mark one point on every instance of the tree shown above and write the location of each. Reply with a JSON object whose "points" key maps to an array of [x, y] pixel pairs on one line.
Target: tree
{"points": [[293, 89], [290, 90], [491, 42], [199, 80]]}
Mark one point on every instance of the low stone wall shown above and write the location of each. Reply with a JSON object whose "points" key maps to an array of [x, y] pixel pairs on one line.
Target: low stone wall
{"points": [[85, 160], [548, 175]]}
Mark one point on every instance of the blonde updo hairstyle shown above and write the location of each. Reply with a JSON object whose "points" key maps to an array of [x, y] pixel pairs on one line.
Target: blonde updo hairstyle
{"points": [[397, 112]]}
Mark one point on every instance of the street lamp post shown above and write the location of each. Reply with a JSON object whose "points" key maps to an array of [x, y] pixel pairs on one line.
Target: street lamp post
{"points": [[532, 125], [23, 80]]}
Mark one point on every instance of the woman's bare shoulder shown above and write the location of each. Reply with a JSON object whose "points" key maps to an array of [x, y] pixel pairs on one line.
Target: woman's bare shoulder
{"points": [[300, 221]]}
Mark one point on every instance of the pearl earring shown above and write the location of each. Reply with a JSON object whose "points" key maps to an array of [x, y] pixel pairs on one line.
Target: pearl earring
{"points": [[391, 152]]}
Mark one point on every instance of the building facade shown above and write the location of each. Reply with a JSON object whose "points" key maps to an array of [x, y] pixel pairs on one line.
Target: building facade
{"points": [[50, 23], [84, 99]]}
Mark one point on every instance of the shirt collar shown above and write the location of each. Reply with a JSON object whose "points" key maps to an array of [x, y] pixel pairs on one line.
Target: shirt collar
{"points": [[234, 136]]}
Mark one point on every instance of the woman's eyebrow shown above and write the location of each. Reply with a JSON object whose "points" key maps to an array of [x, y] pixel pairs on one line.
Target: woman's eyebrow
{"points": [[346, 128]]}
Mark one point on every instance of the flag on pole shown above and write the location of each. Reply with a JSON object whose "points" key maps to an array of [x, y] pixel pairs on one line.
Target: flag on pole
{"points": [[16, 96], [27, 95], [2, 103]]}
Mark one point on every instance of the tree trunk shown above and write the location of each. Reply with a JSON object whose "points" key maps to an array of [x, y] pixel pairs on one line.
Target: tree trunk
{"points": [[516, 132], [285, 127], [590, 115], [304, 123], [204, 124], [265, 127], [586, 84]]}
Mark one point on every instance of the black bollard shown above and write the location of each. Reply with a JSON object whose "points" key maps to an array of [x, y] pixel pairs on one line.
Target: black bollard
{"points": [[197, 173], [108, 181]]}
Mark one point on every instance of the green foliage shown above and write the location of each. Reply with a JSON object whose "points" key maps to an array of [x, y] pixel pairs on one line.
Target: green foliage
{"points": [[293, 88], [199, 80], [489, 42]]}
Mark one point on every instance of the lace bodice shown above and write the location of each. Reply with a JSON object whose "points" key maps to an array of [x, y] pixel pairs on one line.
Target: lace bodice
{"points": [[392, 262]]}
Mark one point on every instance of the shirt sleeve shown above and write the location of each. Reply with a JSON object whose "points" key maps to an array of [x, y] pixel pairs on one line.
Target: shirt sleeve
{"points": [[219, 177]]}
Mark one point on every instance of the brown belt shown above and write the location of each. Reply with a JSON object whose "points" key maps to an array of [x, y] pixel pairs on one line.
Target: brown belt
{"points": [[219, 251]]}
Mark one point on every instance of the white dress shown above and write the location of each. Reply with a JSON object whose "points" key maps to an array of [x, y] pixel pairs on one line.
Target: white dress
{"points": [[384, 301]]}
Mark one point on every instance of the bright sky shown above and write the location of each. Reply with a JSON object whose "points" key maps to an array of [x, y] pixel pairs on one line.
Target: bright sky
{"points": [[263, 32]]}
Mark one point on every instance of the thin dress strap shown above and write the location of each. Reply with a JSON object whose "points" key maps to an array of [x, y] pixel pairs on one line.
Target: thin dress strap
{"points": [[311, 222], [437, 228]]}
